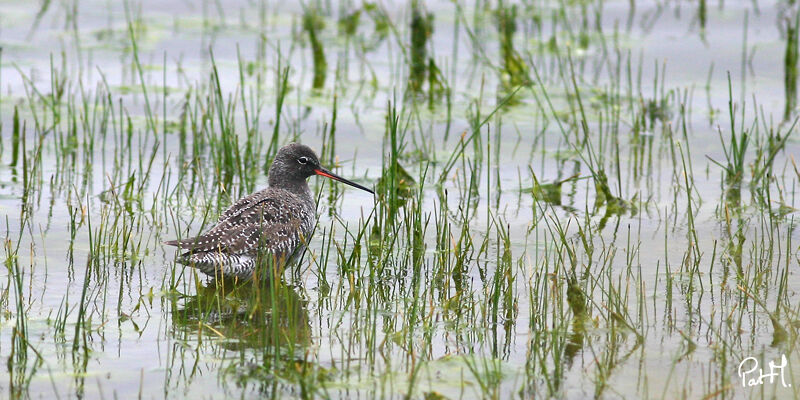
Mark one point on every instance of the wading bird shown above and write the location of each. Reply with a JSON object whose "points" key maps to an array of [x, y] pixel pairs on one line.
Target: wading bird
{"points": [[271, 225]]}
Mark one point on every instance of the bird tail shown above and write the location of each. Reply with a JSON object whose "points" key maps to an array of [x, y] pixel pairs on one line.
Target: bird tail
{"points": [[182, 243]]}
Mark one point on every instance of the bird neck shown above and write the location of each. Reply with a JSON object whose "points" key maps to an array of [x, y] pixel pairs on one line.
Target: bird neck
{"points": [[295, 186]]}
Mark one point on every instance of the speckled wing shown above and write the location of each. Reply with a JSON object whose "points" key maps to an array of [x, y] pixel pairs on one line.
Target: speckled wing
{"points": [[272, 221]]}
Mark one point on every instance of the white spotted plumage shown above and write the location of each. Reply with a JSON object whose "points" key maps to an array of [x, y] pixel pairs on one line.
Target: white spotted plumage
{"points": [[272, 223]]}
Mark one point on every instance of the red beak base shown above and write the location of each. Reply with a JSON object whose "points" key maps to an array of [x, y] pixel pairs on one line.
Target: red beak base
{"points": [[328, 174]]}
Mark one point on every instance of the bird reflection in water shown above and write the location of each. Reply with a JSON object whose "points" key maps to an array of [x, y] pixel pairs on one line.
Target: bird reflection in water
{"points": [[256, 331], [245, 314]]}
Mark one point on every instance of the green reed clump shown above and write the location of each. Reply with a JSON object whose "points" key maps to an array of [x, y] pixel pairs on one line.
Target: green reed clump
{"points": [[224, 146], [421, 30], [437, 87], [735, 151], [503, 302], [701, 16], [549, 192], [515, 71], [348, 23], [313, 24], [15, 138], [382, 25], [396, 186], [790, 57], [614, 205], [400, 182], [20, 372], [767, 150]]}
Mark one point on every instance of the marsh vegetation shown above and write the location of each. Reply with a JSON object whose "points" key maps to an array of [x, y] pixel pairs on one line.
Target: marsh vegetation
{"points": [[573, 199]]}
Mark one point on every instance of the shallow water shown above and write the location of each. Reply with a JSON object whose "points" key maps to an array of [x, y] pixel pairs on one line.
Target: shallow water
{"points": [[94, 305]]}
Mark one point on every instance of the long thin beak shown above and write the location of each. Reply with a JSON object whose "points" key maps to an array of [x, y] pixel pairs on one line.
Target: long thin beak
{"points": [[328, 174]]}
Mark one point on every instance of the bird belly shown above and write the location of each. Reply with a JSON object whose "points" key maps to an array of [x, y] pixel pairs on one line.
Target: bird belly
{"points": [[262, 251], [221, 265]]}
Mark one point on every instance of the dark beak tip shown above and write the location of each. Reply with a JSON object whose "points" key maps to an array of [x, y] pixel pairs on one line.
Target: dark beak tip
{"points": [[328, 174]]}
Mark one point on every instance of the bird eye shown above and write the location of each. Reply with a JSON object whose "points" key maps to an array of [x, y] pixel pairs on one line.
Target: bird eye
{"points": [[303, 160]]}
